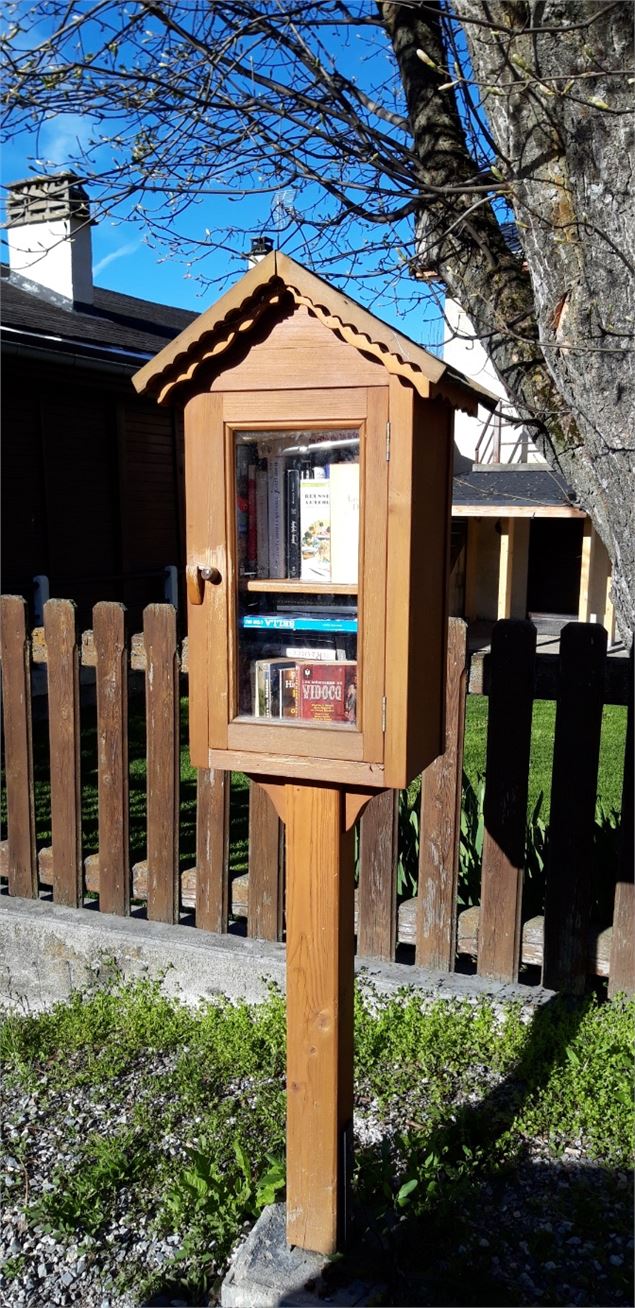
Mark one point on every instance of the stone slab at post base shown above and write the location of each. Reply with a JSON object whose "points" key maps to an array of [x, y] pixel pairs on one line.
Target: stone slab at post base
{"points": [[267, 1273]]}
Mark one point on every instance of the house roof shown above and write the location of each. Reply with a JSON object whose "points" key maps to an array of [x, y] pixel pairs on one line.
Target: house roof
{"points": [[276, 276], [520, 490], [114, 324]]}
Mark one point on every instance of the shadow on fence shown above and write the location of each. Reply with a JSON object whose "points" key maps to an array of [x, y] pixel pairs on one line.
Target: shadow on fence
{"points": [[564, 941]]}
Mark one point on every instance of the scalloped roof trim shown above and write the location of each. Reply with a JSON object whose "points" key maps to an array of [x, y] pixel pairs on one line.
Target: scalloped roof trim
{"points": [[233, 316]]}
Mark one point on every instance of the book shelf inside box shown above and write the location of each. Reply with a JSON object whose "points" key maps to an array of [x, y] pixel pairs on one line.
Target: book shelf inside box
{"points": [[297, 548], [286, 586]]}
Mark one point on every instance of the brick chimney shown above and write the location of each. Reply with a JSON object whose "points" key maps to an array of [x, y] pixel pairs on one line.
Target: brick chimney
{"points": [[48, 232]]}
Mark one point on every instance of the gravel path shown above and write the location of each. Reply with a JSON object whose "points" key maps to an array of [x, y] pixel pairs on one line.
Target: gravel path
{"points": [[41, 1134], [546, 1233], [542, 1232]]}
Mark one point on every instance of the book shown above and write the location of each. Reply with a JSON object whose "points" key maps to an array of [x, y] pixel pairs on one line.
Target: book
{"points": [[262, 518], [344, 492], [314, 653], [276, 506], [293, 522], [328, 691], [252, 518], [290, 622], [315, 530], [338, 609], [243, 455], [288, 691], [266, 686]]}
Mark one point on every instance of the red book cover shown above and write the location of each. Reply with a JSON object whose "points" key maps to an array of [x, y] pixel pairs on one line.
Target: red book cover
{"points": [[328, 691]]}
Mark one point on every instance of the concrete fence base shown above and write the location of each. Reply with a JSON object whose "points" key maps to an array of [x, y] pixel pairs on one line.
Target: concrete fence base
{"points": [[47, 952]]}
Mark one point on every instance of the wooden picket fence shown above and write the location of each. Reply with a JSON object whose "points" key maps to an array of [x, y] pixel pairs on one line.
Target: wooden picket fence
{"points": [[565, 943]]}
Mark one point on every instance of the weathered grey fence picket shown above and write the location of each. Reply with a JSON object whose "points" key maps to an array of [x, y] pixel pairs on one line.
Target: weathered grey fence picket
{"points": [[581, 681]]}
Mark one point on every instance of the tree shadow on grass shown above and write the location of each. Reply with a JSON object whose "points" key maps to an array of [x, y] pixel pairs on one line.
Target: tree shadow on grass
{"points": [[491, 1220]]}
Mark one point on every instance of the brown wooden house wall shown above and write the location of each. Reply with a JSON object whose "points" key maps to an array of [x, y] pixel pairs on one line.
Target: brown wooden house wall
{"points": [[91, 486]]}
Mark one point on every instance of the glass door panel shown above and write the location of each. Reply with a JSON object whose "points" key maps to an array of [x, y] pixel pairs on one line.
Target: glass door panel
{"points": [[297, 549]]}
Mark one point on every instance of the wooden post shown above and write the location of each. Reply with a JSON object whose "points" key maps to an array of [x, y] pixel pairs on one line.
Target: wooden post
{"points": [[60, 627], [16, 694], [212, 849], [265, 902], [505, 568], [573, 794], [505, 807], [112, 757], [162, 717], [595, 574], [440, 824], [377, 917], [319, 1015], [471, 568]]}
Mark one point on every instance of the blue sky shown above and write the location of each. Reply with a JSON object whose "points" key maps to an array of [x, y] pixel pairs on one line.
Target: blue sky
{"points": [[123, 260], [126, 259]]}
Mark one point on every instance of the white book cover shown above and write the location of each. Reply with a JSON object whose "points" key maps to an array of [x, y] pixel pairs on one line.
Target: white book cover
{"points": [[344, 484], [315, 530], [277, 538]]}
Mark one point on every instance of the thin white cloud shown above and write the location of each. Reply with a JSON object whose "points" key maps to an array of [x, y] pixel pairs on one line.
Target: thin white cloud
{"points": [[120, 253], [64, 137]]}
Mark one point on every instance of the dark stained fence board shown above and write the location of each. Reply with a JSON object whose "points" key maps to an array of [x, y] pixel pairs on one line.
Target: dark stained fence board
{"points": [[112, 757], [377, 898], [60, 626], [212, 849], [622, 962], [505, 806], [16, 703], [572, 816], [162, 722], [440, 823], [265, 904], [616, 677]]}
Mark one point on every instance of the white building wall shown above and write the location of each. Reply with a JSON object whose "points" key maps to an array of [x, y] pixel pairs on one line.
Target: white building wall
{"points": [[464, 351]]}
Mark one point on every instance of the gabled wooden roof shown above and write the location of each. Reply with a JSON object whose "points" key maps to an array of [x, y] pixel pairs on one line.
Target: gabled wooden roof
{"points": [[231, 319]]}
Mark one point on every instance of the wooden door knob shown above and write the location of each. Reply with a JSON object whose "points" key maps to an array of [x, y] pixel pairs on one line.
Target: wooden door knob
{"points": [[211, 574], [196, 578]]}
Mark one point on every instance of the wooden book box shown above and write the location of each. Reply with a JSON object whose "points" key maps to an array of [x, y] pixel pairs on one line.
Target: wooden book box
{"points": [[318, 447]]}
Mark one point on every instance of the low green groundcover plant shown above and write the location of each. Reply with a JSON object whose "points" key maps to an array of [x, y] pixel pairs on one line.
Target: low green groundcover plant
{"points": [[450, 1095]]}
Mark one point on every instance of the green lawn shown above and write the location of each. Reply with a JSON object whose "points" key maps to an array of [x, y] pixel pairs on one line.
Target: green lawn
{"points": [[544, 717], [609, 786]]}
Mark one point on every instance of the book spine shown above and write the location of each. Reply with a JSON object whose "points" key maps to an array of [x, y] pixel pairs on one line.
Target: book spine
{"points": [[277, 562], [272, 622], [315, 653], [242, 507], [344, 486], [289, 692], [293, 522], [262, 706], [262, 519], [252, 521]]}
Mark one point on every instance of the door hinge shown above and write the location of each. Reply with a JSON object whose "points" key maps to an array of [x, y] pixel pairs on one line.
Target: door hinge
{"points": [[383, 714], [388, 442]]}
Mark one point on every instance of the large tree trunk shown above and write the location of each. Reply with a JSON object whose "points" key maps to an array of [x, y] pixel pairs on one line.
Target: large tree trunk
{"points": [[559, 326]]}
